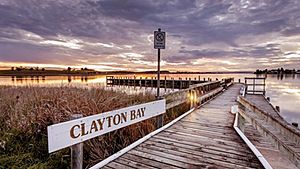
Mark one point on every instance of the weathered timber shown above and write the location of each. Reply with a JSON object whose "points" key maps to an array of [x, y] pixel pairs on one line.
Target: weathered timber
{"points": [[258, 111], [275, 158], [165, 83], [203, 139], [150, 82]]}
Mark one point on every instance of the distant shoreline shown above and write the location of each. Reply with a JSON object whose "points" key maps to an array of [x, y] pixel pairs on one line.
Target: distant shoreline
{"points": [[94, 73]]}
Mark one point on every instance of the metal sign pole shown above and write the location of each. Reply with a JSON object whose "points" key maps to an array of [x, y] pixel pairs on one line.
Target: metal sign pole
{"points": [[159, 118], [158, 74], [159, 43]]}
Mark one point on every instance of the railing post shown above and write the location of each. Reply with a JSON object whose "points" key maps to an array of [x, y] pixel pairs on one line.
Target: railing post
{"points": [[173, 83], [180, 85], [191, 99], [165, 83], [151, 81], [159, 118], [241, 122], [76, 150]]}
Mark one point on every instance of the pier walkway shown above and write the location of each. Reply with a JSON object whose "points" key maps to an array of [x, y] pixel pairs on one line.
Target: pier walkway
{"points": [[203, 139], [277, 140]]}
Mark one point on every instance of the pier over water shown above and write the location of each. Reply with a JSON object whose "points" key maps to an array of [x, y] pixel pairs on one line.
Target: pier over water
{"points": [[225, 128]]}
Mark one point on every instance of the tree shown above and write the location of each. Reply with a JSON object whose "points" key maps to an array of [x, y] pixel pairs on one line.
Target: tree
{"points": [[43, 69], [12, 68], [69, 69]]}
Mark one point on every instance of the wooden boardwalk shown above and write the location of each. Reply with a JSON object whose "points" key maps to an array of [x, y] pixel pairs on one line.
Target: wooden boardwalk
{"points": [[203, 139], [276, 159], [277, 140]]}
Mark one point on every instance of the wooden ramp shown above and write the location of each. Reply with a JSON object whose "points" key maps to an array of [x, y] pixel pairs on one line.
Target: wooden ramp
{"points": [[278, 141], [203, 139]]}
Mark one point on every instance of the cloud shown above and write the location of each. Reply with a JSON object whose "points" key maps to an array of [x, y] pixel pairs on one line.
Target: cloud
{"points": [[99, 31]]}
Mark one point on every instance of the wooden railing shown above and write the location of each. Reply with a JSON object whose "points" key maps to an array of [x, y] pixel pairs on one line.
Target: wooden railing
{"points": [[196, 94], [286, 137], [255, 85]]}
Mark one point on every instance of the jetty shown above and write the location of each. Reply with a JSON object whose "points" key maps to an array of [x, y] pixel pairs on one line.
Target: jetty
{"points": [[229, 125], [172, 83]]}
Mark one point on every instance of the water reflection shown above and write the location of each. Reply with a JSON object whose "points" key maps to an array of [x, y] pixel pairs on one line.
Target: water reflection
{"points": [[283, 89], [46, 80], [280, 76]]}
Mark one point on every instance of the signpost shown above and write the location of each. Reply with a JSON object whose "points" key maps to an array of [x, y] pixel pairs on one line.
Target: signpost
{"points": [[72, 132], [159, 43]]}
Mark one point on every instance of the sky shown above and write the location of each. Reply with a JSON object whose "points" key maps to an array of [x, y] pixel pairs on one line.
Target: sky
{"points": [[204, 35]]}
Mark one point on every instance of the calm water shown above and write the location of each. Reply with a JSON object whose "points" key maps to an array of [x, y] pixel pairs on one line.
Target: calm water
{"points": [[284, 91]]}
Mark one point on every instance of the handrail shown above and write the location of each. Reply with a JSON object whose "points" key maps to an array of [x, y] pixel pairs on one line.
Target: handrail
{"points": [[252, 147], [243, 101], [194, 94], [254, 84], [191, 94], [210, 94]]}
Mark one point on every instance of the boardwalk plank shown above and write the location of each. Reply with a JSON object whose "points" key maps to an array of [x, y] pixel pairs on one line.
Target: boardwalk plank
{"points": [[210, 146], [148, 161], [133, 164], [197, 147], [205, 138], [164, 158], [118, 165], [189, 157], [222, 158]]}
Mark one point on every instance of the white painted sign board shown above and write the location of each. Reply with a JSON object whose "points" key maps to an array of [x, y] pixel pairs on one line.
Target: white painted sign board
{"points": [[159, 40], [71, 132]]}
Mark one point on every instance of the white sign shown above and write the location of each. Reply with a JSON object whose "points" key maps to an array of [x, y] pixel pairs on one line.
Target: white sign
{"points": [[68, 133], [159, 40]]}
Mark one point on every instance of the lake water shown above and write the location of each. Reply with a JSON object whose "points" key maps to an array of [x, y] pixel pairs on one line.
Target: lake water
{"points": [[284, 90]]}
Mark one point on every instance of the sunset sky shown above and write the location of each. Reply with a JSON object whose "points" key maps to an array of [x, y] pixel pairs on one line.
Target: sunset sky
{"points": [[204, 35]]}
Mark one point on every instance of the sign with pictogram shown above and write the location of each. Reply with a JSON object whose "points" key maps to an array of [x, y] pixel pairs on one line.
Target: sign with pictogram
{"points": [[159, 40]]}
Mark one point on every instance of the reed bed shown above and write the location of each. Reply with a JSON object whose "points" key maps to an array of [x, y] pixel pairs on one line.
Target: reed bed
{"points": [[25, 113]]}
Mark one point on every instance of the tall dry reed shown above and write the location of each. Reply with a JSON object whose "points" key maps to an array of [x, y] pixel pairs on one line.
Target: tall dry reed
{"points": [[25, 113]]}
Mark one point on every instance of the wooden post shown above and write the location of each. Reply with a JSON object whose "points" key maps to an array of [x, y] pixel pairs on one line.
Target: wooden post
{"points": [[173, 83], [189, 82], [277, 108], [241, 123], [140, 82], [165, 83], [134, 81], [253, 86], [199, 78], [264, 86], [295, 124], [151, 81], [191, 99], [76, 150], [180, 83]]}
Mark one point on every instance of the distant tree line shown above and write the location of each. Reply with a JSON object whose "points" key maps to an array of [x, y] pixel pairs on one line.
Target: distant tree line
{"points": [[277, 71], [81, 69], [27, 69], [69, 69]]}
